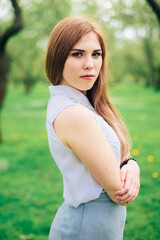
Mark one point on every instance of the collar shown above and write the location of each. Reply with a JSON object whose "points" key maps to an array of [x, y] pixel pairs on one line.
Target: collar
{"points": [[71, 93]]}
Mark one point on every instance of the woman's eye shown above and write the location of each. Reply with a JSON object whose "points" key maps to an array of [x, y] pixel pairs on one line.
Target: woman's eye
{"points": [[77, 54], [96, 54]]}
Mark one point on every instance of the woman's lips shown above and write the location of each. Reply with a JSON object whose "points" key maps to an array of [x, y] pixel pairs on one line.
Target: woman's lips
{"points": [[87, 77]]}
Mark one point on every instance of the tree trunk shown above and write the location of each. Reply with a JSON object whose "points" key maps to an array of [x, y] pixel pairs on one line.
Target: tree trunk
{"points": [[3, 82], [155, 7], [4, 61], [3, 75], [158, 78], [150, 61]]}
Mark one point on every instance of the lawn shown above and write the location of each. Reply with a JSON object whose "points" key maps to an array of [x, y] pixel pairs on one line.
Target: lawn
{"points": [[30, 183]]}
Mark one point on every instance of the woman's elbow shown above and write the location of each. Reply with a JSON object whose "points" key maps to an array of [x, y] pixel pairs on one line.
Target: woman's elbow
{"points": [[111, 191]]}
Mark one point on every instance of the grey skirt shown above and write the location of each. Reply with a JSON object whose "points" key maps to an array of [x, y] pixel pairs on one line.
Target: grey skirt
{"points": [[99, 219]]}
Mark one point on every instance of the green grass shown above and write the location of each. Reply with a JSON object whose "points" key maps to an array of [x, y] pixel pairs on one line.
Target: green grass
{"points": [[30, 183]]}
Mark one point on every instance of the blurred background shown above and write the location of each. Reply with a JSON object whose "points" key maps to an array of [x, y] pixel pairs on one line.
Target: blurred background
{"points": [[30, 183]]}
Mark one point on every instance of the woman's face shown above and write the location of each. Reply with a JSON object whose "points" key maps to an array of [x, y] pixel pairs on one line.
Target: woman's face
{"points": [[83, 63]]}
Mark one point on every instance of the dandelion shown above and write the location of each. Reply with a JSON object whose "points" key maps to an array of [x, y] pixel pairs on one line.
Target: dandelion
{"points": [[135, 152], [155, 175], [16, 136], [150, 158]]}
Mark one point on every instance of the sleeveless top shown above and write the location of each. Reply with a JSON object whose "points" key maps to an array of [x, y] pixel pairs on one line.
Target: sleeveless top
{"points": [[79, 186]]}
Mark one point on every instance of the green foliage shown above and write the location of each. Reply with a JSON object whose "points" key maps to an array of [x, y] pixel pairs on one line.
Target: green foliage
{"points": [[27, 50], [130, 25], [31, 184], [133, 42]]}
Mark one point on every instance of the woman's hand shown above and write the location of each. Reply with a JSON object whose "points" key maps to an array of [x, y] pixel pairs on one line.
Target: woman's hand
{"points": [[130, 174]]}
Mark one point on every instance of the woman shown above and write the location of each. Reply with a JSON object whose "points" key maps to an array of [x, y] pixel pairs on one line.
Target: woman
{"points": [[87, 139]]}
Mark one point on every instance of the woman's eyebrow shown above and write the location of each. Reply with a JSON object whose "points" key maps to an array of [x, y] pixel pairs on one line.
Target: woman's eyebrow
{"points": [[75, 49], [80, 50], [98, 50]]}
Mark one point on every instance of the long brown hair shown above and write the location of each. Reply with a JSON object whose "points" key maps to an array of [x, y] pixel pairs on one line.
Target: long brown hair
{"points": [[62, 39]]}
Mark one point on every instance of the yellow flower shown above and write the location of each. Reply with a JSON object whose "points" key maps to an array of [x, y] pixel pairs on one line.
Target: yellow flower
{"points": [[135, 152], [155, 175], [16, 136], [150, 158]]}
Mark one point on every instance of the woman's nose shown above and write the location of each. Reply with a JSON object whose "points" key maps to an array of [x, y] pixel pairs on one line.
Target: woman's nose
{"points": [[88, 64]]}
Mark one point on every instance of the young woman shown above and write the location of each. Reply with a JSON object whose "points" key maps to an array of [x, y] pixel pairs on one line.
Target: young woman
{"points": [[87, 139]]}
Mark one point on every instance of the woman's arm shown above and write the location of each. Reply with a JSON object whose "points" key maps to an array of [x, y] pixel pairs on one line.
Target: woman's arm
{"points": [[77, 129], [130, 174]]}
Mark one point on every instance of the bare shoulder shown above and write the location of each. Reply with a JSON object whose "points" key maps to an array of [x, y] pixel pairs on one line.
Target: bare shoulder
{"points": [[74, 115], [74, 124]]}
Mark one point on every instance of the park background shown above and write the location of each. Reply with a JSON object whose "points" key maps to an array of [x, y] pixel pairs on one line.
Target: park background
{"points": [[30, 183]]}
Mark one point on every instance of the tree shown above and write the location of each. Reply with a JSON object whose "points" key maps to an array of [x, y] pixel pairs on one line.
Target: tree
{"points": [[155, 68], [155, 7], [4, 59], [27, 61], [139, 54]]}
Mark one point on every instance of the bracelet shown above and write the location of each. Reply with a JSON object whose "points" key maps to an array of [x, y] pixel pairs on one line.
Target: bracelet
{"points": [[126, 161]]}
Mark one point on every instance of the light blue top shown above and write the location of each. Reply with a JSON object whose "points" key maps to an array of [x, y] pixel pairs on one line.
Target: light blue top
{"points": [[79, 185]]}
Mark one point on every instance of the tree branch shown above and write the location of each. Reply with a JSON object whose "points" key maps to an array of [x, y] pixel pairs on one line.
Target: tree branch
{"points": [[15, 28], [155, 7]]}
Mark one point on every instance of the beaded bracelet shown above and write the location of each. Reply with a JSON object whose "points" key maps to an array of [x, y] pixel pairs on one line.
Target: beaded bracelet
{"points": [[126, 161]]}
